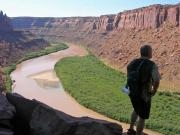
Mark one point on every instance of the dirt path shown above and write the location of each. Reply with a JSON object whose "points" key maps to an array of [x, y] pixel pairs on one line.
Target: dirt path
{"points": [[36, 79]]}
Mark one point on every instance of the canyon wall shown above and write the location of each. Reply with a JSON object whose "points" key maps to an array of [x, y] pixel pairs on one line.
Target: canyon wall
{"points": [[5, 24], [147, 17], [117, 38], [14, 44], [49, 22]]}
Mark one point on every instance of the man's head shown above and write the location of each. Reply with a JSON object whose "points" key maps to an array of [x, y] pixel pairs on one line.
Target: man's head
{"points": [[146, 51]]}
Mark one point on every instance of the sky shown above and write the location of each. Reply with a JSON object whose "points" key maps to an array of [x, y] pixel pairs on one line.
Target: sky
{"points": [[69, 8]]}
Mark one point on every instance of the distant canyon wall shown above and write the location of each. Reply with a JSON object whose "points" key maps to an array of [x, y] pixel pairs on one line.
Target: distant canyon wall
{"points": [[48, 22], [147, 17], [14, 44]]}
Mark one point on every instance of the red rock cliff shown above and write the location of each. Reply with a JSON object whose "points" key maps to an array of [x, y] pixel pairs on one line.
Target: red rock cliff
{"points": [[148, 17], [105, 22]]}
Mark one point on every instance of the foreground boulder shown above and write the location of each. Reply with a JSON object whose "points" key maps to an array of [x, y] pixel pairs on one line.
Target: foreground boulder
{"points": [[46, 121], [7, 111], [35, 118]]}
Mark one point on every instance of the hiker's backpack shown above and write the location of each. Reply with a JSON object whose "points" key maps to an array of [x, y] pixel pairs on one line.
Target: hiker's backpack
{"points": [[138, 74]]}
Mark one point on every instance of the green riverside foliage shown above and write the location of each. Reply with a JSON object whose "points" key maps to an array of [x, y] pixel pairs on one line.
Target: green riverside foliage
{"points": [[7, 71], [98, 87], [47, 50], [50, 49]]}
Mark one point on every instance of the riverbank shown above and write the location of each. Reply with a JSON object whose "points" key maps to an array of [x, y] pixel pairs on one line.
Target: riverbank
{"points": [[97, 87]]}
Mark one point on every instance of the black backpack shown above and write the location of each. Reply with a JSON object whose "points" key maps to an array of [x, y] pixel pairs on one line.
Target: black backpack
{"points": [[138, 74]]}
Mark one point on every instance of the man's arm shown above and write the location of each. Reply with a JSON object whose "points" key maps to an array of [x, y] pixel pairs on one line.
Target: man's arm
{"points": [[155, 87], [156, 79]]}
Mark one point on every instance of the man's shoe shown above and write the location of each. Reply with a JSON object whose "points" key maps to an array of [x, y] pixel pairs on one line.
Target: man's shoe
{"points": [[131, 132]]}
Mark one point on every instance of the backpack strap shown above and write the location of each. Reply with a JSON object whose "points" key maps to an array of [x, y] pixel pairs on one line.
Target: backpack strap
{"points": [[140, 65], [148, 63]]}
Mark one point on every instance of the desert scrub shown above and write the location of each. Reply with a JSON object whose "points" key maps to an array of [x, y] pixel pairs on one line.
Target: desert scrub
{"points": [[50, 49], [97, 87]]}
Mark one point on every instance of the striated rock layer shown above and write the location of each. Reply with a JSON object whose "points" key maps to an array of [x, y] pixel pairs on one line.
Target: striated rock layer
{"points": [[117, 38], [147, 17]]}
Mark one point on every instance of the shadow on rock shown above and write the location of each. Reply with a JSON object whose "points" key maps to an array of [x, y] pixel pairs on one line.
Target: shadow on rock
{"points": [[35, 118]]}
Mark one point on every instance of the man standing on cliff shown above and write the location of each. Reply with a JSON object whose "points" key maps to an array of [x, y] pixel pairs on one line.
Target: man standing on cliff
{"points": [[145, 75]]}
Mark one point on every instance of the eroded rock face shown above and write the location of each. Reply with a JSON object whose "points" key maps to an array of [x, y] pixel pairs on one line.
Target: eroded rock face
{"points": [[173, 15], [148, 17], [5, 24], [105, 23]]}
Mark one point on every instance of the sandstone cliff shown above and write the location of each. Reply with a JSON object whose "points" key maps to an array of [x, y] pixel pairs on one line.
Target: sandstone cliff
{"points": [[148, 17], [117, 38], [105, 23]]}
